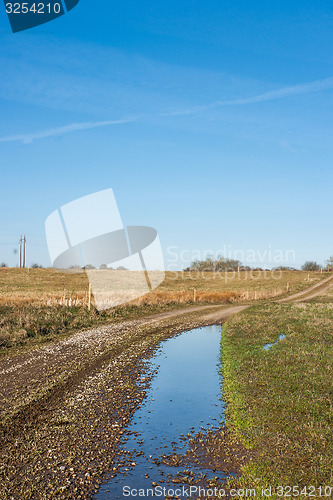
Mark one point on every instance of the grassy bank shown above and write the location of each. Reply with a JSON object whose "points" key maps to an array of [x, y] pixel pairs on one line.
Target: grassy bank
{"points": [[280, 401], [30, 325]]}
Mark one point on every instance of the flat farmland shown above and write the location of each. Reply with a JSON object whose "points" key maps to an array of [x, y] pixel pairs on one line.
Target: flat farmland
{"points": [[38, 305], [46, 286]]}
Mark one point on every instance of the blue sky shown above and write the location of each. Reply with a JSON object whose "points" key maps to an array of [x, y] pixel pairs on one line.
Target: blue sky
{"points": [[211, 121]]}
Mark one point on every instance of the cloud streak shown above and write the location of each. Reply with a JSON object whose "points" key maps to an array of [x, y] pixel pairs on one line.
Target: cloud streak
{"points": [[67, 129], [306, 88]]}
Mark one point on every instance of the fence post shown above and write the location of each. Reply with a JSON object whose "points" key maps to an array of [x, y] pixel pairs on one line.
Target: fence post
{"points": [[89, 297], [194, 295]]}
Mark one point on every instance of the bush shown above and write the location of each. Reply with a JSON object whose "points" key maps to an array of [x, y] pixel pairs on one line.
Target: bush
{"points": [[284, 268], [215, 264], [3, 264], [311, 266], [329, 262]]}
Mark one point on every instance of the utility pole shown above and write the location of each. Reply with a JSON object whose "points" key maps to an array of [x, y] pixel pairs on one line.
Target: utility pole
{"points": [[21, 251], [24, 241]]}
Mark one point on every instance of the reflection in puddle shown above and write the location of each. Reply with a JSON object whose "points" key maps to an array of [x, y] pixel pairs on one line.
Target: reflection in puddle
{"points": [[182, 399], [268, 346]]}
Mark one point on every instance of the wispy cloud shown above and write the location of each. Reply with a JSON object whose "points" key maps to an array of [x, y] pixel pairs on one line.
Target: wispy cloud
{"points": [[67, 129], [306, 88]]}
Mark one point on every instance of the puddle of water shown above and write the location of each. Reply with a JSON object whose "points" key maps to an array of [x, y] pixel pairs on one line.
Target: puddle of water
{"points": [[183, 397], [268, 346]]}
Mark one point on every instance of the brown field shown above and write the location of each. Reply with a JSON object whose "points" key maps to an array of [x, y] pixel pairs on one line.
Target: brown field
{"points": [[51, 287], [38, 305]]}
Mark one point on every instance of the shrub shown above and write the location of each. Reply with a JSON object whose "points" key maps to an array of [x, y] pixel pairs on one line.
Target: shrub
{"points": [[311, 266]]}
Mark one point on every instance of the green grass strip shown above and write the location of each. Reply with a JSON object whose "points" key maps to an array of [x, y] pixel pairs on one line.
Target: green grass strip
{"points": [[280, 401]]}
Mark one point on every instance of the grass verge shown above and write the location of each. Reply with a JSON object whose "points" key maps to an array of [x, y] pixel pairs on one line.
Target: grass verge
{"points": [[280, 401], [28, 326]]}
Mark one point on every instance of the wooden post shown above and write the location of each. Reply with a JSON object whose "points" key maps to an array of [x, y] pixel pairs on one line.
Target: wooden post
{"points": [[194, 295], [309, 277], [89, 297], [288, 286]]}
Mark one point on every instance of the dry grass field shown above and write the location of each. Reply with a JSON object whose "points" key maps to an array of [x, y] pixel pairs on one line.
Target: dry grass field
{"points": [[52, 287], [39, 304]]}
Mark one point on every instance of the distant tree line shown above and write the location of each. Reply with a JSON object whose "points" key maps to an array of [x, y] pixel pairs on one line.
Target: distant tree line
{"points": [[223, 264], [34, 265], [89, 267], [217, 264], [311, 265]]}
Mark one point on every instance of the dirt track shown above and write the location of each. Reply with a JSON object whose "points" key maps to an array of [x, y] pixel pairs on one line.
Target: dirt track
{"points": [[34, 381], [78, 394], [311, 292], [27, 376]]}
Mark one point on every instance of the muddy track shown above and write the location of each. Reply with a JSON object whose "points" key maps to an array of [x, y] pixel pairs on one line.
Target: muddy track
{"points": [[34, 382], [67, 405]]}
